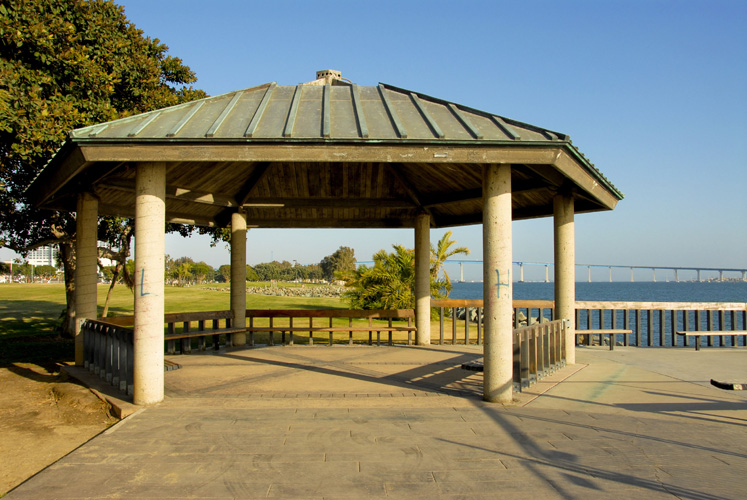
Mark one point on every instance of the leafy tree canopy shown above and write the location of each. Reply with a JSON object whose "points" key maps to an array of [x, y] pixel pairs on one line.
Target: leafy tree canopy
{"points": [[390, 283], [342, 261], [66, 65]]}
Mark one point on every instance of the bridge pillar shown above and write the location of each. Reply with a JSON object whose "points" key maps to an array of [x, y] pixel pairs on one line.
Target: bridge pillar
{"points": [[86, 269], [589, 278], [547, 273], [610, 274], [423, 279], [150, 220], [698, 275], [721, 275], [744, 275], [461, 272], [632, 276], [521, 272], [676, 276], [497, 285], [238, 276], [565, 269], [653, 270]]}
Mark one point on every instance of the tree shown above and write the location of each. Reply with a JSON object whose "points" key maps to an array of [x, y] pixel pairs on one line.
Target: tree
{"points": [[342, 261], [443, 252], [224, 271], [66, 65], [202, 272], [45, 272], [390, 283]]}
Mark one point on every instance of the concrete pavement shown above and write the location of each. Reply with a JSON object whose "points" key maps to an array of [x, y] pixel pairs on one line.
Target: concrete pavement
{"points": [[369, 422]]}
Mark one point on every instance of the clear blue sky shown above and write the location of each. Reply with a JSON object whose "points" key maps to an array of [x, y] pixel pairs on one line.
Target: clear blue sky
{"points": [[654, 92]]}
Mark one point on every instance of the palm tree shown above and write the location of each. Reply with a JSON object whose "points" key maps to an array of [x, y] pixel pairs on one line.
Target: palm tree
{"points": [[441, 253]]}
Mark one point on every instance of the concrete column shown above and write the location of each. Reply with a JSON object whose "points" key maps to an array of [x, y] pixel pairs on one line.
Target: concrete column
{"points": [[498, 288], [150, 223], [565, 269], [423, 279], [238, 276], [86, 266]]}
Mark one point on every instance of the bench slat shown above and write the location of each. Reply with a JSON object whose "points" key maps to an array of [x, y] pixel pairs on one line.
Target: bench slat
{"points": [[203, 333]]}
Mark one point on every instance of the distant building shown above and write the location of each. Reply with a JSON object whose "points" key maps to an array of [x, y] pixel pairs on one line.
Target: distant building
{"points": [[43, 256]]}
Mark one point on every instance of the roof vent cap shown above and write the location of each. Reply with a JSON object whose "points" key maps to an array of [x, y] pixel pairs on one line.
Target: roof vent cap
{"points": [[329, 77]]}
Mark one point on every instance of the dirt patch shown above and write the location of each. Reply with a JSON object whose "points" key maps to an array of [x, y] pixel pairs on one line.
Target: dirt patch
{"points": [[44, 415]]}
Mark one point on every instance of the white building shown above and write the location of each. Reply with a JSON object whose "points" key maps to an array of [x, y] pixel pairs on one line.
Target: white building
{"points": [[43, 256]]}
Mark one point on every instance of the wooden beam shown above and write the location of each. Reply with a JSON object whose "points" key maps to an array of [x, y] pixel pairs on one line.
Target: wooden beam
{"points": [[362, 203], [174, 193], [328, 222], [260, 170], [171, 216]]}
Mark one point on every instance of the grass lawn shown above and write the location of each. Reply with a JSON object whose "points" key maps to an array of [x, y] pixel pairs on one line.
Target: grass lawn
{"points": [[30, 312]]}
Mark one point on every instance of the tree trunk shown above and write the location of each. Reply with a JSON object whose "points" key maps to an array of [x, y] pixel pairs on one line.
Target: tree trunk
{"points": [[67, 256], [115, 277]]}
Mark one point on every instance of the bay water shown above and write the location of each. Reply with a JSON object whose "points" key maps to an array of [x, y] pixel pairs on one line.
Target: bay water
{"points": [[690, 291], [643, 291]]}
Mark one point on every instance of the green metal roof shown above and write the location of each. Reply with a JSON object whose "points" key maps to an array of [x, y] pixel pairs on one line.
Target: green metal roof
{"points": [[322, 155]]}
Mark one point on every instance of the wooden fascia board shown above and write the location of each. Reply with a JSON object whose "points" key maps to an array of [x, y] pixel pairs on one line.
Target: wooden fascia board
{"points": [[56, 175], [305, 152], [582, 178]]}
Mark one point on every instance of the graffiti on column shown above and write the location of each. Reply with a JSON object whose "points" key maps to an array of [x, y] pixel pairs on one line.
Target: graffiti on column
{"points": [[500, 283], [142, 279]]}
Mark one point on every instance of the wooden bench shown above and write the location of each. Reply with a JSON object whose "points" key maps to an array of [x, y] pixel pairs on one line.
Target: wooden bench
{"points": [[612, 334], [186, 337], [331, 330], [709, 333]]}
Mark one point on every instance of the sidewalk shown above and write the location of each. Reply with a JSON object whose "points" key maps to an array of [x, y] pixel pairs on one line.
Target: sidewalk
{"points": [[369, 422]]}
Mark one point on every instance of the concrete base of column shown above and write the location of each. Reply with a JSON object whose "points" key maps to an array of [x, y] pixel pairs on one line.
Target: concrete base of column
{"points": [[150, 220], [565, 269], [498, 287], [238, 276], [86, 266], [423, 279]]}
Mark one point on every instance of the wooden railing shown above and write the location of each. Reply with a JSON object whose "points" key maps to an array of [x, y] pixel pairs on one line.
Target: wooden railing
{"points": [[649, 323], [108, 351], [345, 322], [211, 329]]}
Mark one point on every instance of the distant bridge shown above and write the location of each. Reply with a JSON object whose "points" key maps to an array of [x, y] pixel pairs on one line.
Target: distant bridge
{"points": [[653, 269]]}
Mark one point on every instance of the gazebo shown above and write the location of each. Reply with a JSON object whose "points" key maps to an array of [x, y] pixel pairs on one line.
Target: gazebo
{"points": [[325, 154]]}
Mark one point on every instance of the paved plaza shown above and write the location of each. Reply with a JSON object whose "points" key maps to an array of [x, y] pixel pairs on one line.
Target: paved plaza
{"points": [[408, 422]]}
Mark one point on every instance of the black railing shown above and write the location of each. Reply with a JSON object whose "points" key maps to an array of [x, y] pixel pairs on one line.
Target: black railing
{"points": [[108, 351]]}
